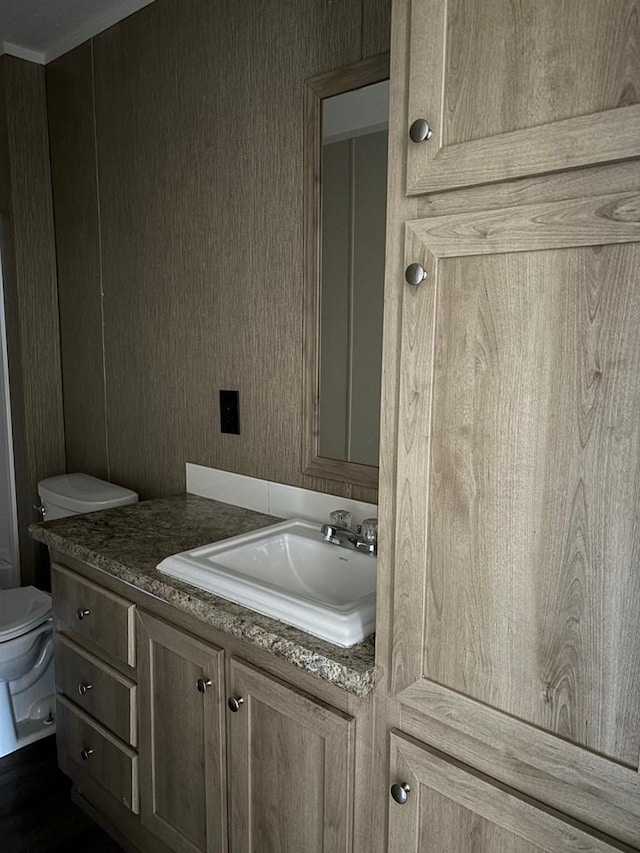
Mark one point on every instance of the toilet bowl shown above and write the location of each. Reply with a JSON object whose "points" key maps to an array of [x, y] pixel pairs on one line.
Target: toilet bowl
{"points": [[27, 703]]}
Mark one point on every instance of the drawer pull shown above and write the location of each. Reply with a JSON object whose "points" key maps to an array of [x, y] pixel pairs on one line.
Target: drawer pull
{"points": [[85, 754], [202, 684], [84, 687], [82, 613]]}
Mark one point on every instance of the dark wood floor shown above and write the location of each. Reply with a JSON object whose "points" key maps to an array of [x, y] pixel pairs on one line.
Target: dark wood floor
{"points": [[36, 812]]}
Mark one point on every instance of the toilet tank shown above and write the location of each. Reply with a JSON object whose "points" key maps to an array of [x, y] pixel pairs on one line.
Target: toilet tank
{"points": [[70, 494]]}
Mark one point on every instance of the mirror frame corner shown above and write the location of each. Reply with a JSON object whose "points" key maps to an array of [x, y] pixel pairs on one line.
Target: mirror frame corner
{"points": [[364, 73]]}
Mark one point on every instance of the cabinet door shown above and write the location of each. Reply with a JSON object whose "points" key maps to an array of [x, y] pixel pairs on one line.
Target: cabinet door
{"points": [[517, 547], [290, 769], [450, 808], [514, 89], [182, 749]]}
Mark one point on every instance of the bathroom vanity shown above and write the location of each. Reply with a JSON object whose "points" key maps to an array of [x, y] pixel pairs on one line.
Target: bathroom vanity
{"points": [[187, 722]]}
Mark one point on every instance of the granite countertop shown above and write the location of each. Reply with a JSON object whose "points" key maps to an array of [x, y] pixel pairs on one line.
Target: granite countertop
{"points": [[128, 542]]}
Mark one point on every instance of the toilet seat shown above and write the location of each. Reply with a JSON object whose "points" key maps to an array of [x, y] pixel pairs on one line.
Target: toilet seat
{"points": [[21, 610]]}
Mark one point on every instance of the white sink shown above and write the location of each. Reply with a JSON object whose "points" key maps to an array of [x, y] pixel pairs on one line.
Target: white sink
{"points": [[287, 571]]}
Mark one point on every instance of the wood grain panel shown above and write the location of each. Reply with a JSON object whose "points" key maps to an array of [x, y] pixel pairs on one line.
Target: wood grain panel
{"points": [[5, 174], [521, 89], [97, 688], [376, 27], [559, 45], [584, 785], [182, 741], [24, 495], [200, 170], [277, 746], [34, 301], [90, 613], [111, 763], [453, 809], [75, 202], [529, 523], [292, 759]]}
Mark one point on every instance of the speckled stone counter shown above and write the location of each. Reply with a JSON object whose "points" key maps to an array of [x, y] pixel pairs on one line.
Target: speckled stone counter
{"points": [[128, 543]]}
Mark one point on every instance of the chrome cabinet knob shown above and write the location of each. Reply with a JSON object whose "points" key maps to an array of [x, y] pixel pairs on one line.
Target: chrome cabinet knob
{"points": [[84, 687], [202, 684], [82, 613], [86, 753], [235, 703], [400, 793], [420, 131], [415, 274]]}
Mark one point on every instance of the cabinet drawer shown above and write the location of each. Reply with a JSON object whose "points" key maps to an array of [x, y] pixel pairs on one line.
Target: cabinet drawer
{"points": [[89, 612], [85, 746], [97, 688]]}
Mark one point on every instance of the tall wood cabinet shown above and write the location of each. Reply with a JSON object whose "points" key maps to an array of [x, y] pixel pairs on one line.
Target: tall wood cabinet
{"points": [[511, 415]]}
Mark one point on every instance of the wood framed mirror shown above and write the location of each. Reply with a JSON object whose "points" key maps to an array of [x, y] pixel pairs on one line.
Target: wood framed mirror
{"points": [[346, 129]]}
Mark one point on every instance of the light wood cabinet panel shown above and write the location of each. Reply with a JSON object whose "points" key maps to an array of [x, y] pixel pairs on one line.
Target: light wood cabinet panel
{"points": [[290, 769], [516, 89], [516, 546], [182, 747], [94, 614], [87, 749], [452, 809], [97, 688], [521, 363]]}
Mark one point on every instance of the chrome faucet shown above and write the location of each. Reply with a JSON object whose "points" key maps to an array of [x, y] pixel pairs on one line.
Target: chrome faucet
{"points": [[347, 538]]}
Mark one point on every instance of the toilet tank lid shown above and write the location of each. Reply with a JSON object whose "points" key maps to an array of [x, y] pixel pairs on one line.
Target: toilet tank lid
{"points": [[83, 493], [22, 609]]}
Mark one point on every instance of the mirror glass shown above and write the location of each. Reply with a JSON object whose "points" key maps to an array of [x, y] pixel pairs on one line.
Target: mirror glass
{"points": [[353, 205], [345, 213]]}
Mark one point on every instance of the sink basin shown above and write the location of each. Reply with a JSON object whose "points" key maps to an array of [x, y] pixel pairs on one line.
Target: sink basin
{"points": [[288, 572]]}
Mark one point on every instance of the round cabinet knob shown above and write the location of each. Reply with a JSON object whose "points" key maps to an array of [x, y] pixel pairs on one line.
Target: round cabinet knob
{"points": [[415, 274], [235, 703], [82, 613], [420, 131], [400, 793], [86, 753], [84, 687], [202, 684]]}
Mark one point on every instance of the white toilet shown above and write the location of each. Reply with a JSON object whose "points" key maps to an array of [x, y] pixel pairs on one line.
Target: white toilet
{"points": [[27, 691], [26, 673]]}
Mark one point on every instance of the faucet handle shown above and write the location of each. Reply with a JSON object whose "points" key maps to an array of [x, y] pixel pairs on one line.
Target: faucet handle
{"points": [[369, 530], [341, 518]]}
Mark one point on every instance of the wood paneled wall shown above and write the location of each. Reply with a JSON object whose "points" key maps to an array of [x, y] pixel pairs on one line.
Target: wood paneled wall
{"points": [[75, 190], [176, 143], [31, 300]]}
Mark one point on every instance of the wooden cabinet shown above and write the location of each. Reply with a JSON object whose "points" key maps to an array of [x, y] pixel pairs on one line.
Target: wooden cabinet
{"points": [[276, 775], [291, 762], [289, 770], [98, 755], [96, 705], [511, 403], [95, 616], [516, 89], [97, 688], [450, 808], [182, 741]]}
